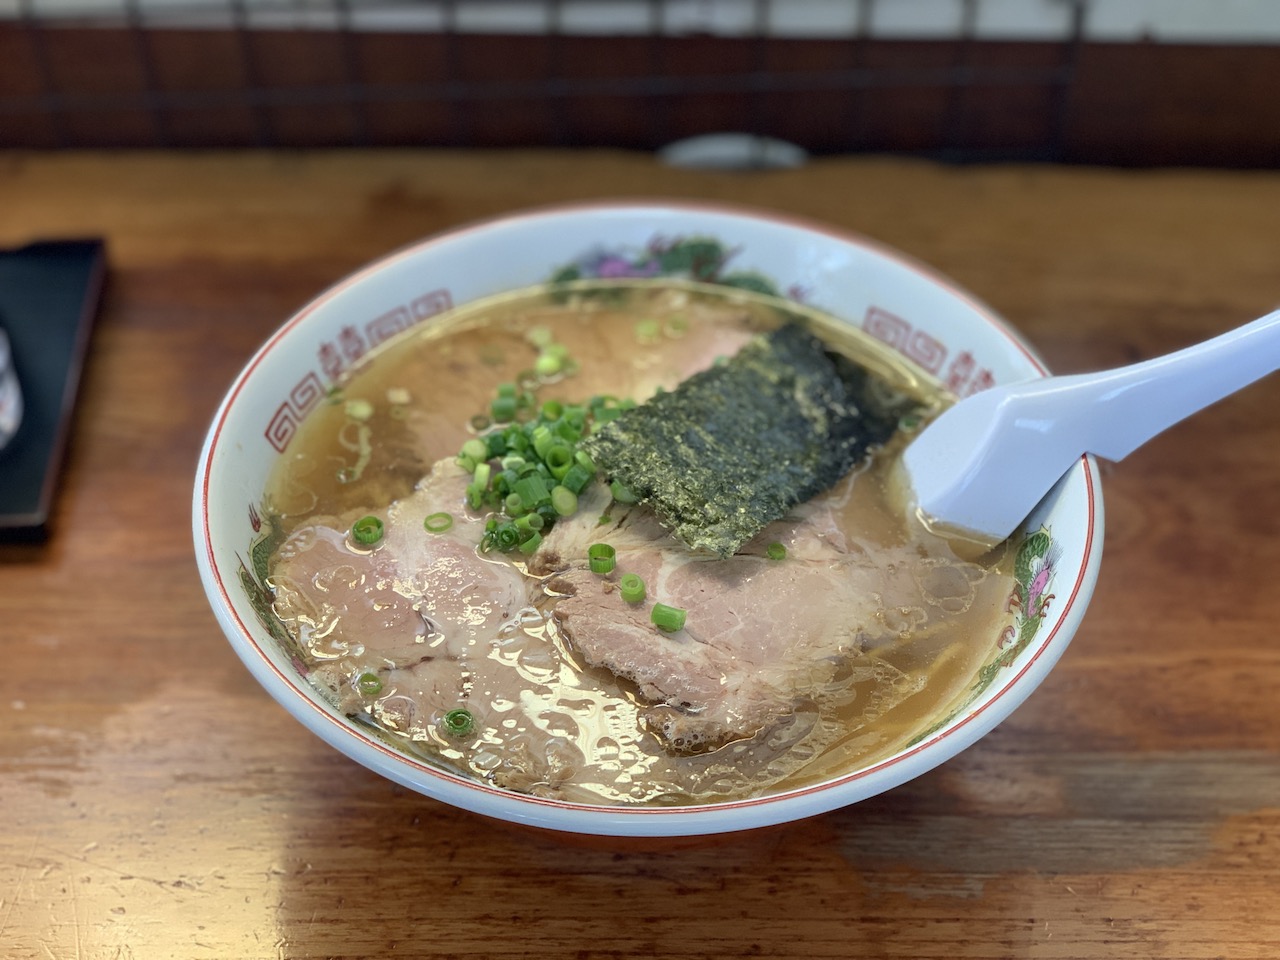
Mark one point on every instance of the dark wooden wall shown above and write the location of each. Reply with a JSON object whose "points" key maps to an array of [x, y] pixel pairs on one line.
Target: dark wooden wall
{"points": [[1074, 101]]}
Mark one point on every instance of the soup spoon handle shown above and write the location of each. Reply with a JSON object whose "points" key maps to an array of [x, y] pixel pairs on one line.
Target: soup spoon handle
{"points": [[982, 466]]}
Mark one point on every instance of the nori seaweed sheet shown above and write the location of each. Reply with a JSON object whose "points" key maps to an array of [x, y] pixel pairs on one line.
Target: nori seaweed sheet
{"points": [[737, 446]]}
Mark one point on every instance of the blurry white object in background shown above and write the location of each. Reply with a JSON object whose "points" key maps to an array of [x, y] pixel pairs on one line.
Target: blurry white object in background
{"points": [[733, 151], [10, 394]]}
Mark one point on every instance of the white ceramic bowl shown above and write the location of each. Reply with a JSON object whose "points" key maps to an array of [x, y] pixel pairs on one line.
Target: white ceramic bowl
{"points": [[942, 328]]}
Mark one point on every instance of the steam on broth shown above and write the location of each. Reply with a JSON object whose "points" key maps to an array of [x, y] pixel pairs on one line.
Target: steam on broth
{"points": [[530, 672]]}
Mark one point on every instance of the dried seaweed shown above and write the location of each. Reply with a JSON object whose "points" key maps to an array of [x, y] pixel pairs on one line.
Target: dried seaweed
{"points": [[737, 446]]}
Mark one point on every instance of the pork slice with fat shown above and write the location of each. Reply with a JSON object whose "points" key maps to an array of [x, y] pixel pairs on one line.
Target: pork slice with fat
{"points": [[440, 625], [760, 635]]}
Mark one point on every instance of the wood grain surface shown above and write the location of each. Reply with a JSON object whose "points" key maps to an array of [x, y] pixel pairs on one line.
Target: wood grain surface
{"points": [[154, 802]]}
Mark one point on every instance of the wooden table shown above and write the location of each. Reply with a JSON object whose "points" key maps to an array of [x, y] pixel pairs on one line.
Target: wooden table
{"points": [[154, 802]]}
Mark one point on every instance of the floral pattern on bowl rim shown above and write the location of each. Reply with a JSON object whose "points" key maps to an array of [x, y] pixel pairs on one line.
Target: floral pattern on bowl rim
{"points": [[700, 258]]}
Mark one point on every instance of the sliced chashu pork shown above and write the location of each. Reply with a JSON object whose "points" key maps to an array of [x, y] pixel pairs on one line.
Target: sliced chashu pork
{"points": [[423, 611], [761, 635]]}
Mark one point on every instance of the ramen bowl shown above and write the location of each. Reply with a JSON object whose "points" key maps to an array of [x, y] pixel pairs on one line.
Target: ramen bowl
{"points": [[942, 329]]}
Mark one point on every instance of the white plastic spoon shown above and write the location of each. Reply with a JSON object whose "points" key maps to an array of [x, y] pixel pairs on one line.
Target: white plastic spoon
{"points": [[980, 468]]}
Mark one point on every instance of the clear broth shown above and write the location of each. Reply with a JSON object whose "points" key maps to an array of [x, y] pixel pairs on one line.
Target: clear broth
{"points": [[627, 338]]}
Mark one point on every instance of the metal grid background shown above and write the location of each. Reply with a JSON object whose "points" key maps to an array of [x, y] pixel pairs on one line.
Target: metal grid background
{"points": [[208, 74]]}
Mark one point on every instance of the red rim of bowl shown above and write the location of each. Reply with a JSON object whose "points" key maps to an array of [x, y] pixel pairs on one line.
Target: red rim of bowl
{"points": [[953, 730]]}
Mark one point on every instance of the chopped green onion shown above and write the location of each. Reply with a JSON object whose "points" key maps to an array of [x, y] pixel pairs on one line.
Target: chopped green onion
{"points": [[531, 544], [458, 722], [576, 478], [543, 439], [530, 523], [476, 449], [559, 460], [570, 428], [398, 396], [631, 587], [622, 493], [669, 619], [506, 536], [601, 557], [775, 551], [369, 684], [529, 464], [438, 522], [647, 331], [532, 490], [564, 501], [496, 443], [503, 409], [359, 409], [547, 365], [367, 531]]}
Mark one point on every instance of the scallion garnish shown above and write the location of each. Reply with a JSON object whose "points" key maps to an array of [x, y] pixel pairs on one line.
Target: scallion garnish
{"points": [[564, 501], [559, 459], [601, 557], [358, 409], [530, 523], [367, 531], [438, 522], [506, 536], [476, 449], [532, 490], [503, 409], [775, 551], [631, 587], [647, 331], [622, 493], [668, 619], [529, 463], [458, 722], [577, 477], [369, 684]]}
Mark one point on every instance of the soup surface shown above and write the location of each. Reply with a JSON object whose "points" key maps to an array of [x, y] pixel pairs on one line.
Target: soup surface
{"points": [[826, 642]]}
